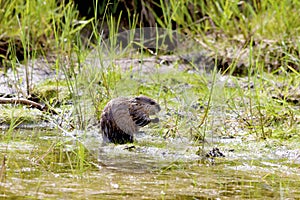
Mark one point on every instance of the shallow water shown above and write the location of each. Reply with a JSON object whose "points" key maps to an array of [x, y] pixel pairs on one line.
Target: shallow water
{"points": [[45, 164]]}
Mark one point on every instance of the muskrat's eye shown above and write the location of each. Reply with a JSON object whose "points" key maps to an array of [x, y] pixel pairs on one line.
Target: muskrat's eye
{"points": [[152, 103]]}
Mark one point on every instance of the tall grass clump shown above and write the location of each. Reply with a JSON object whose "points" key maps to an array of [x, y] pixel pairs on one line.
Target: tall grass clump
{"points": [[227, 27], [31, 29], [252, 37], [34, 29], [26, 25]]}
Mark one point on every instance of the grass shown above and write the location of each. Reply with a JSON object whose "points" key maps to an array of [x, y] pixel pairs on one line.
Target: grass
{"points": [[253, 35], [258, 38]]}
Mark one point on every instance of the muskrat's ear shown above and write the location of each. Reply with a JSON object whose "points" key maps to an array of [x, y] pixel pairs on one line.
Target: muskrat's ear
{"points": [[136, 100]]}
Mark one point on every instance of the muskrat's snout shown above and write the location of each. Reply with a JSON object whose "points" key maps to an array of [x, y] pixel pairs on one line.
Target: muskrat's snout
{"points": [[155, 120], [158, 108], [155, 109]]}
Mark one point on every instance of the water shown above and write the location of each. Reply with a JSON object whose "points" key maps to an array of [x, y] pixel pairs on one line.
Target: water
{"points": [[45, 164]]}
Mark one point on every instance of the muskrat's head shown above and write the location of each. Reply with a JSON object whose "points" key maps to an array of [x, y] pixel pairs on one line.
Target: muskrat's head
{"points": [[147, 104]]}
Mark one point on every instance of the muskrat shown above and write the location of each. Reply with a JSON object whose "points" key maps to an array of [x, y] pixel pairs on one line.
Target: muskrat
{"points": [[123, 117]]}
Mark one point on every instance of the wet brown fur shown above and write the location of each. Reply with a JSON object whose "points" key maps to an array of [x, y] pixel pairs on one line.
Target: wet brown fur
{"points": [[123, 117]]}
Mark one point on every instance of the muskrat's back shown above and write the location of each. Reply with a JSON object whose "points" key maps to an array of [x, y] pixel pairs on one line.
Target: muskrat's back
{"points": [[123, 117]]}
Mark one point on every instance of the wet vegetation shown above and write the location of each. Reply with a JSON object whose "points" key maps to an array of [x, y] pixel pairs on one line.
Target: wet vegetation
{"points": [[225, 73]]}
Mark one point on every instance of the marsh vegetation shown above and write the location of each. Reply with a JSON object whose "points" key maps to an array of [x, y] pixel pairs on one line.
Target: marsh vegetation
{"points": [[225, 73]]}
